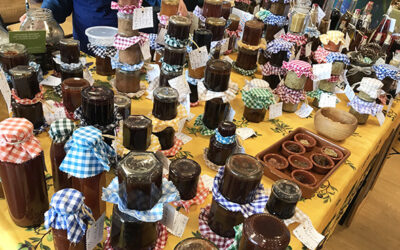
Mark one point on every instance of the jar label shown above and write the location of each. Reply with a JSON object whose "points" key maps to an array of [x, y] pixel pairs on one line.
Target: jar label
{"points": [[94, 234], [327, 100], [142, 18], [275, 110], [174, 220], [304, 111], [322, 71], [5, 89], [198, 57]]}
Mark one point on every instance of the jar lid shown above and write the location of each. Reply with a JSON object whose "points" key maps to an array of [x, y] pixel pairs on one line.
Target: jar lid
{"points": [[299, 67], [337, 57], [253, 24], [121, 100], [22, 71], [179, 20], [214, 2], [166, 94], [140, 166], [138, 121], [12, 49], [386, 70], [69, 42], [215, 21], [100, 93], [101, 35], [61, 130], [265, 231], [246, 166], [332, 36], [218, 65], [234, 17], [185, 168], [195, 243], [227, 128], [286, 190]]}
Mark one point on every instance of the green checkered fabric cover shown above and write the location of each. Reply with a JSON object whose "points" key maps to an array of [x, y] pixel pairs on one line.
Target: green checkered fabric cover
{"points": [[257, 98], [203, 128], [61, 130], [238, 236]]}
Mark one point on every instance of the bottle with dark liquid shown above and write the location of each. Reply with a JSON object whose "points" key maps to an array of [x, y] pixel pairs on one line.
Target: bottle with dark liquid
{"points": [[351, 27], [383, 29], [359, 34], [346, 17], [335, 15], [367, 11], [220, 148]]}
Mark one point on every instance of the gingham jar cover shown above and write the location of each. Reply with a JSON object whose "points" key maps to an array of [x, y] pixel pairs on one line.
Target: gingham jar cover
{"points": [[337, 57], [224, 139], [102, 51], [275, 20], [288, 95], [371, 87], [61, 130], [299, 67], [278, 45], [115, 63], [17, 142], [385, 70], [320, 54], [68, 212], [257, 98], [262, 14], [299, 40], [25, 101], [267, 70], [123, 43], [175, 42], [364, 107], [334, 36], [87, 154], [127, 9]]}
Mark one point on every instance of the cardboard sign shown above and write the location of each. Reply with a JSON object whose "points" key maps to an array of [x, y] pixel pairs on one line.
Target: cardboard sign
{"points": [[35, 41]]}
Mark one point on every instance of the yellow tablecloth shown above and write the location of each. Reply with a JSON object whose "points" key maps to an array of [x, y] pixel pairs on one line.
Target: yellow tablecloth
{"points": [[324, 209]]}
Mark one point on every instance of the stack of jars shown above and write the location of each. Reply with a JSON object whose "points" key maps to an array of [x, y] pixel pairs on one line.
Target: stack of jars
{"points": [[276, 53], [233, 32], [277, 19], [388, 74], [176, 40], [292, 91], [243, 5], [70, 65], [12, 55]]}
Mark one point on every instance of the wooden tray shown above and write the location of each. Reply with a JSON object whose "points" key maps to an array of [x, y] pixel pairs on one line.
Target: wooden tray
{"points": [[307, 190]]}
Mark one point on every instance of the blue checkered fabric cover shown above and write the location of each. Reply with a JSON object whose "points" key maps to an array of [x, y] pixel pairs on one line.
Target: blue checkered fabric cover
{"points": [[337, 57], [68, 212], [87, 153], [169, 194], [224, 140], [275, 20], [191, 80], [255, 207], [386, 70], [115, 63], [153, 44], [364, 107], [102, 51], [278, 45], [175, 42]]}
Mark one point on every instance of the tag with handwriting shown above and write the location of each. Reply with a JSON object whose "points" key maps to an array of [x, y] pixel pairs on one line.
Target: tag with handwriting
{"points": [[304, 111], [322, 71], [349, 92], [145, 48], [161, 36], [308, 49], [51, 81], [327, 100], [245, 133], [275, 110], [174, 220], [184, 138], [94, 234], [51, 112], [307, 234], [381, 118], [142, 18], [154, 72], [198, 57], [179, 83], [208, 181], [5, 89], [224, 45]]}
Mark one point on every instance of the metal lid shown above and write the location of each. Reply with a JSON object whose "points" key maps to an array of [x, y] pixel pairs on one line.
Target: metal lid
{"points": [[286, 190], [215, 21], [246, 166], [137, 121], [140, 166], [166, 94], [185, 168], [22, 71], [179, 20]]}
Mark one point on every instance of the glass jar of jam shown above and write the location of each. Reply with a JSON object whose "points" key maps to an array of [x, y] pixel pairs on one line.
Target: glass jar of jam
{"points": [[31, 112], [202, 37], [169, 7], [174, 56], [246, 59], [130, 233], [290, 107], [226, 9], [234, 22], [127, 81], [254, 115], [273, 80], [217, 75], [244, 6], [195, 243], [71, 92], [217, 27], [215, 111], [277, 59], [184, 174], [68, 71], [103, 66], [25, 81], [221, 220], [61, 241], [179, 27], [270, 31], [283, 199], [241, 178], [297, 20], [294, 82], [69, 50], [165, 103], [22, 175], [197, 73], [125, 25], [252, 32], [279, 7], [98, 105], [361, 118], [165, 76], [212, 8], [137, 132], [327, 86], [60, 132], [12, 55], [264, 231], [166, 138], [123, 105], [131, 55], [218, 152], [140, 180]]}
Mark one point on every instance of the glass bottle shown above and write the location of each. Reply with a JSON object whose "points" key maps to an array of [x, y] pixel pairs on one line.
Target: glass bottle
{"points": [[326, 20], [346, 17], [123, 105], [12, 55], [215, 111], [219, 152], [359, 35], [23, 178], [179, 27], [165, 103], [367, 11], [184, 174], [283, 199], [98, 105], [127, 81], [72, 92], [69, 50], [382, 30], [25, 81], [335, 15], [169, 7], [217, 75], [298, 18], [137, 132], [351, 27]]}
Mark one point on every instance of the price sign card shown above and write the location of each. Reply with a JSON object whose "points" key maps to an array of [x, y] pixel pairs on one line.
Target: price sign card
{"points": [[142, 18], [327, 100], [322, 71], [145, 48], [35, 41], [198, 57], [275, 110], [304, 111]]}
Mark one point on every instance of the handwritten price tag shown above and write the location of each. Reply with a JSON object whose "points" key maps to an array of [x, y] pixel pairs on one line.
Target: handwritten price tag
{"points": [[275, 110], [174, 220], [145, 48], [161, 37], [198, 57], [94, 234], [5, 89], [304, 111], [142, 18], [327, 100], [322, 71]]}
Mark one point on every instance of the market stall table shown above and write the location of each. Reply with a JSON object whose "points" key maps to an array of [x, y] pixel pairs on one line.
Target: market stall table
{"points": [[326, 207]]}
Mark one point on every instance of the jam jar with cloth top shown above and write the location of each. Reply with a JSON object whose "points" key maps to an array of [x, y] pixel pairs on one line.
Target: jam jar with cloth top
{"points": [[165, 105], [222, 143], [30, 109], [179, 27], [12, 55], [25, 81], [283, 199], [185, 173], [217, 75]]}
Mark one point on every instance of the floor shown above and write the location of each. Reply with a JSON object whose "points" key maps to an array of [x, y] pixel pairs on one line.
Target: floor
{"points": [[376, 225]]}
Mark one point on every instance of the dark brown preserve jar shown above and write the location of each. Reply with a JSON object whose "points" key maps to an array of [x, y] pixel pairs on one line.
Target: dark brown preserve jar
{"points": [[127, 81], [185, 173], [31, 112], [218, 150], [215, 112], [72, 92], [69, 50], [252, 32], [123, 105], [137, 132], [179, 27], [25, 81], [103, 66], [217, 27], [12, 55], [165, 103], [246, 59], [98, 105], [222, 221], [212, 8], [217, 75]]}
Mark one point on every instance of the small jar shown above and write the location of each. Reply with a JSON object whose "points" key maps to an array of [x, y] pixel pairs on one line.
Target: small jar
{"points": [[165, 76], [123, 105], [174, 56], [217, 27], [337, 68], [169, 7], [246, 59], [215, 111], [125, 22], [25, 81], [69, 50], [127, 81], [195, 243], [217, 75], [294, 82], [196, 73], [202, 37], [218, 152], [290, 107], [361, 118], [71, 92], [165, 103], [212, 8], [129, 233], [166, 138], [327, 86], [388, 84], [103, 66], [283, 199], [298, 19], [252, 32], [131, 55], [184, 174], [137, 132], [140, 180], [221, 220], [12, 55], [226, 9], [264, 231], [68, 71], [179, 27], [273, 80], [279, 7], [241, 179], [254, 115], [234, 22], [31, 112], [128, 2], [98, 105]]}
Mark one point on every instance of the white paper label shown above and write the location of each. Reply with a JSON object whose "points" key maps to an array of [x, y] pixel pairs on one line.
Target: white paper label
{"points": [[349, 92], [51, 81], [142, 18], [224, 45], [245, 133], [51, 112], [94, 234], [321, 14], [145, 48], [198, 57], [304, 111], [88, 76], [380, 61], [381, 118], [161, 36], [5, 89], [231, 114], [179, 83], [153, 73], [174, 221], [307, 234], [308, 49], [322, 71], [184, 138], [392, 24], [279, 34], [228, 59], [315, 85], [275, 110], [208, 181], [327, 100]]}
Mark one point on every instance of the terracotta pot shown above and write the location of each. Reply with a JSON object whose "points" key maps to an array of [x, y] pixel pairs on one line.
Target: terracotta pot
{"points": [[334, 123], [283, 163], [319, 167], [293, 159], [337, 151], [301, 136], [292, 148], [304, 177]]}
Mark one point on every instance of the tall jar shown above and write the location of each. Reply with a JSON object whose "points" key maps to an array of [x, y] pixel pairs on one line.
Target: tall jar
{"points": [[217, 27], [103, 66], [98, 105], [125, 25], [179, 27], [252, 32], [12, 55], [222, 144], [184, 174], [215, 111], [131, 55], [72, 92], [234, 26], [137, 132], [60, 132], [69, 50], [212, 8], [202, 37], [246, 59], [217, 75], [25, 81], [298, 20], [165, 104], [279, 7], [169, 7], [22, 176], [127, 81]]}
